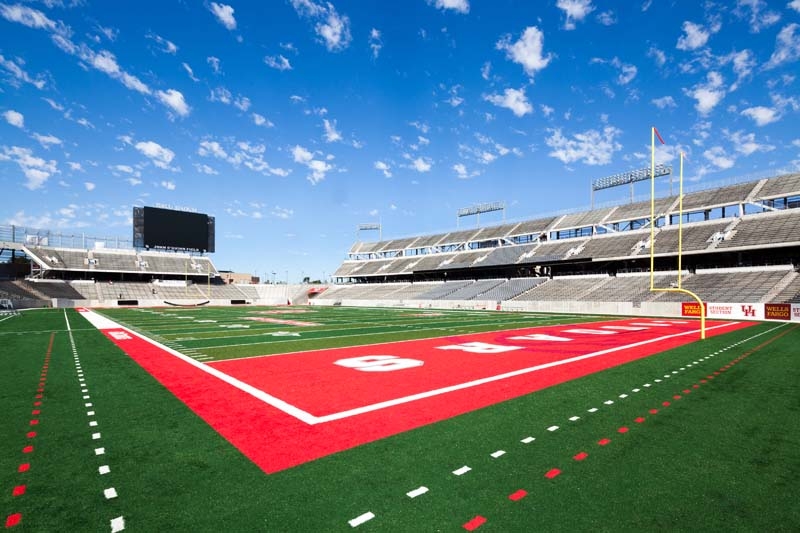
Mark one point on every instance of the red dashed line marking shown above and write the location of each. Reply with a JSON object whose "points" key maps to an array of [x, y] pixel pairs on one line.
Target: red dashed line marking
{"points": [[24, 467], [475, 523], [554, 472], [19, 490], [31, 434], [27, 449], [516, 496], [13, 520]]}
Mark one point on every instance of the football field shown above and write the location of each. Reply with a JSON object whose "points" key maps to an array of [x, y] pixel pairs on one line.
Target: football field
{"points": [[315, 418]]}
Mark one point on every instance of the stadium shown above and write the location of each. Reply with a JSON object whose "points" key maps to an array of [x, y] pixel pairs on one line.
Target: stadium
{"points": [[234, 297]]}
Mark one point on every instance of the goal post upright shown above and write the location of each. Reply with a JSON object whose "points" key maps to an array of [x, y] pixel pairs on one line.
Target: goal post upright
{"points": [[679, 288]]}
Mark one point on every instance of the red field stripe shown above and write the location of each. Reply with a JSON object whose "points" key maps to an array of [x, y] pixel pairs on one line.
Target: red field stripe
{"points": [[275, 440]]}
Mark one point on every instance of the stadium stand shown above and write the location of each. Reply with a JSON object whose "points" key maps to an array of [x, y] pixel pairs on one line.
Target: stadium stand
{"points": [[740, 241]]}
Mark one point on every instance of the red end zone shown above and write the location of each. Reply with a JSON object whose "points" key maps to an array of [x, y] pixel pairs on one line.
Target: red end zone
{"points": [[284, 410]]}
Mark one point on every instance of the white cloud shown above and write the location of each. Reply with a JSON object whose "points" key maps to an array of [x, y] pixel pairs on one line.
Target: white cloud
{"points": [[278, 62], [168, 47], [47, 140], [26, 16], [719, 158], [787, 47], [331, 134], [15, 118], [36, 170], [221, 94], [242, 103], [575, 10], [214, 63], [455, 100], [169, 185], [189, 71], [745, 143], [318, 168], [126, 169], [708, 94], [527, 51], [160, 156], [383, 167], [743, 64], [759, 19], [133, 181], [607, 18], [75, 166], [627, 71], [281, 212], [461, 170], [664, 102], [329, 25], [591, 147], [762, 115], [375, 42], [486, 69], [794, 4], [659, 56], [224, 14], [422, 164], [461, 6], [174, 100], [694, 37], [513, 99], [212, 148], [421, 126], [260, 120], [205, 169], [89, 185], [19, 74]]}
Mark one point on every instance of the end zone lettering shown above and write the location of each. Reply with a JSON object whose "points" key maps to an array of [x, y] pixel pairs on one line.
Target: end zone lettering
{"points": [[778, 311]]}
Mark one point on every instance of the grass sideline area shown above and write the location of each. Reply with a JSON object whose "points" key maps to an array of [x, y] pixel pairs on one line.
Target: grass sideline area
{"points": [[720, 457]]}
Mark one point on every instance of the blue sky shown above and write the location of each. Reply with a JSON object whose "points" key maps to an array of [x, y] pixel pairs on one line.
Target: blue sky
{"points": [[293, 121]]}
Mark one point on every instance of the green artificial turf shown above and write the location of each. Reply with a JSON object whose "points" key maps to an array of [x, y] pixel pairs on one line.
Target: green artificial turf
{"points": [[723, 457]]}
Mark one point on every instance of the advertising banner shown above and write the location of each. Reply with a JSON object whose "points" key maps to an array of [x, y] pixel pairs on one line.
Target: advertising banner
{"points": [[796, 312], [778, 311], [692, 309]]}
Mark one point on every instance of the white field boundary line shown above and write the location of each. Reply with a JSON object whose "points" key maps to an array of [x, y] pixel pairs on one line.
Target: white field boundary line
{"points": [[387, 343], [310, 419], [101, 322], [265, 332]]}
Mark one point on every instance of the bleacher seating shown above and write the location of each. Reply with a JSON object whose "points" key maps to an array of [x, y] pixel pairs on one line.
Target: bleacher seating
{"points": [[696, 236], [781, 186], [613, 245], [639, 210], [582, 219], [723, 196], [764, 229], [561, 288], [728, 286]]}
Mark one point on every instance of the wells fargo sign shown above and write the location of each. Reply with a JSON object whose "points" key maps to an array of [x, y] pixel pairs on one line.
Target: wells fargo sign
{"points": [[778, 311], [691, 309]]}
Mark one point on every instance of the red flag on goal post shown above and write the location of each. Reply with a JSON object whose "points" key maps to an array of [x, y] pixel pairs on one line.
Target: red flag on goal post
{"points": [[658, 135]]}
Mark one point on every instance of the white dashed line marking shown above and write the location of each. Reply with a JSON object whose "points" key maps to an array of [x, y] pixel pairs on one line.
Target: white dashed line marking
{"points": [[461, 471], [417, 492]]}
